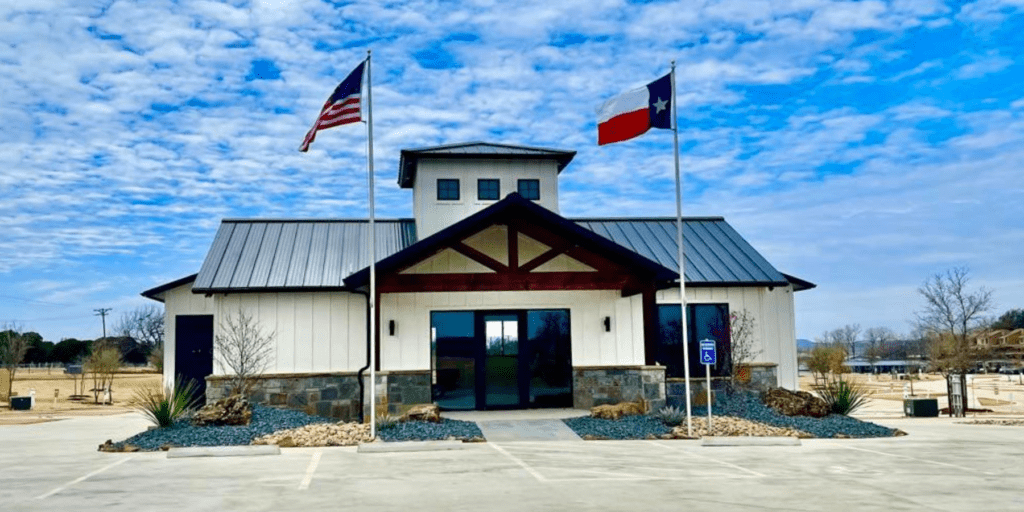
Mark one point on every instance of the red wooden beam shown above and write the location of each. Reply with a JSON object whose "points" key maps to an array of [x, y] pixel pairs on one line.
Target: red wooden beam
{"points": [[396, 283], [513, 248], [544, 257], [480, 257]]}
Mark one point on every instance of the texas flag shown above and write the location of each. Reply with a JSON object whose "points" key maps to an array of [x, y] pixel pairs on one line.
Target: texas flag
{"points": [[633, 113]]}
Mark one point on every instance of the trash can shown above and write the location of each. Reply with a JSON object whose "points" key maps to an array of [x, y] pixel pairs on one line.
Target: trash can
{"points": [[21, 403], [921, 407]]}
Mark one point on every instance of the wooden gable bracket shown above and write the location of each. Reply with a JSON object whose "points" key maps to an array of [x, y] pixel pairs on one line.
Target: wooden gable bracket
{"points": [[479, 257]]}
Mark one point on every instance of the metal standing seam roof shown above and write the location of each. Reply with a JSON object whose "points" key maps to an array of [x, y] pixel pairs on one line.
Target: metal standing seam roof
{"points": [[251, 255], [267, 255], [715, 253], [409, 159]]}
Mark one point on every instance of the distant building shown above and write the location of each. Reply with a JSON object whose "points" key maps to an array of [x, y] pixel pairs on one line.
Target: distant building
{"points": [[488, 297]]}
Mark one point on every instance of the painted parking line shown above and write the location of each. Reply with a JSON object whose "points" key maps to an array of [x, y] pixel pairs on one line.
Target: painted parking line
{"points": [[313, 463], [629, 471], [519, 462], [83, 478], [907, 457], [722, 462]]}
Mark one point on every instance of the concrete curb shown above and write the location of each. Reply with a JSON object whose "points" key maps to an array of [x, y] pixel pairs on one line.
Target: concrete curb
{"points": [[411, 446], [223, 451], [750, 441]]}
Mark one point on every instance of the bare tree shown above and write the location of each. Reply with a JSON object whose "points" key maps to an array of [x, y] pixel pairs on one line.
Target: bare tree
{"points": [[951, 312], [244, 350], [847, 337], [878, 340], [13, 345], [742, 350], [143, 324]]}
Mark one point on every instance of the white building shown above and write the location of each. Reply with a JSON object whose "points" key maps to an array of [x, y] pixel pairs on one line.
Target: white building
{"points": [[488, 297]]}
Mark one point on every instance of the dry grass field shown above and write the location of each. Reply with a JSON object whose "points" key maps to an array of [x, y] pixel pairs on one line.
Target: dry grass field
{"points": [[47, 382], [1002, 394]]}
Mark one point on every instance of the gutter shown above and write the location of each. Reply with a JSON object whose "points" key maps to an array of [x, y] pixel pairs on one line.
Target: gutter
{"points": [[369, 342]]}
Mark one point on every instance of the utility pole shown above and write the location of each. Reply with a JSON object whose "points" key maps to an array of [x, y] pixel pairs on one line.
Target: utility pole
{"points": [[102, 313]]}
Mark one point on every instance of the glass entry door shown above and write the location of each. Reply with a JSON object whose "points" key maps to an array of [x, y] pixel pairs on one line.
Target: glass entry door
{"points": [[501, 359]]}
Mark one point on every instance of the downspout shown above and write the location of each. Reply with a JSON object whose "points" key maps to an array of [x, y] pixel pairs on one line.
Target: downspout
{"points": [[362, 391]]}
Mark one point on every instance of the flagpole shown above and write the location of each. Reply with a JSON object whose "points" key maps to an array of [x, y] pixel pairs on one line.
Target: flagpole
{"points": [[682, 261], [373, 253]]}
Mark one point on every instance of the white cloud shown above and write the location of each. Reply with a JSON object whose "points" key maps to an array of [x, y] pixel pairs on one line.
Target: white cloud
{"points": [[991, 63], [131, 130]]}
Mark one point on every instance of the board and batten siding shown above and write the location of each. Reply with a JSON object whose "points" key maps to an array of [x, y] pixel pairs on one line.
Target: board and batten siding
{"points": [[409, 348], [180, 301], [433, 215], [775, 330], [313, 331]]}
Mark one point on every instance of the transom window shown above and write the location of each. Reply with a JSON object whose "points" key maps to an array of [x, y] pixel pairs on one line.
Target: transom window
{"points": [[487, 189], [529, 189], [447, 190]]}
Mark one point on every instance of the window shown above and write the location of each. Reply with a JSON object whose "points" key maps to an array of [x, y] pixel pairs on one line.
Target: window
{"points": [[704, 321], [487, 190], [447, 190], [529, 189]]}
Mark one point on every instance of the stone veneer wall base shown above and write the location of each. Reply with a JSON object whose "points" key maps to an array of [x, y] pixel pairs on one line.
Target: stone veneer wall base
{"points": [[599, 385], [762, 378], [333, 395]]}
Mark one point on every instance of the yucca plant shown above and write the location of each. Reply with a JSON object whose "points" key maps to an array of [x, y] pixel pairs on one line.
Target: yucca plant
{"points": [[386, 421], [164, 407], [671, 416], [843, 397]]}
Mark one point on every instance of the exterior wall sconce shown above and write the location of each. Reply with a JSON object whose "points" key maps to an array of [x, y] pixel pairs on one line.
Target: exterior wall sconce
{"points": [[391, 327], [607, 324]]}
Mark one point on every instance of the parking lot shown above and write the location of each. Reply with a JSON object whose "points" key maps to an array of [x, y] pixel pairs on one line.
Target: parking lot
{"points": [[939, 466]]}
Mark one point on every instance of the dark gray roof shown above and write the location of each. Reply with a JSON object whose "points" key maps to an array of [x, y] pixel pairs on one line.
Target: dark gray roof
{"points": [[715, 253], [252, 255], [410, 157]]}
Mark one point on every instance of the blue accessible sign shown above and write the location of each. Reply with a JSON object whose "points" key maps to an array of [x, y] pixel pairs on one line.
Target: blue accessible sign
{"points": [[707, 352]]}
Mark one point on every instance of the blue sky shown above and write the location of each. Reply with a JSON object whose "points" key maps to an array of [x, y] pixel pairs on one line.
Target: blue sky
{"points": [[863, 146]]}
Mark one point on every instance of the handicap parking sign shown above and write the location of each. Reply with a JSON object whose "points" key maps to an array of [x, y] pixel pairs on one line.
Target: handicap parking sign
{"points": [[707, 352]]}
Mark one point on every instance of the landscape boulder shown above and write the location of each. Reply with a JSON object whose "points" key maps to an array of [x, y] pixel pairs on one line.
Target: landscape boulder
{"points": [[795, 403], [233, 410], [423, 412], [110, 446], [614, 412]]}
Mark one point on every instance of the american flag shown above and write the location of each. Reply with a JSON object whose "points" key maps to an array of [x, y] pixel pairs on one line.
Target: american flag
{"points": [[343, 107]]}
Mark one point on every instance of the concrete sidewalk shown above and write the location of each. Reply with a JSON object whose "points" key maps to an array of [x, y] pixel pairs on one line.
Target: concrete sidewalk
{"points": [[501, 431]]}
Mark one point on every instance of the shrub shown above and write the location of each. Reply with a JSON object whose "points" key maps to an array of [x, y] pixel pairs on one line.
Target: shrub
{"points": [[165, 407], [843, 397], [386, 421], [671, 416]]}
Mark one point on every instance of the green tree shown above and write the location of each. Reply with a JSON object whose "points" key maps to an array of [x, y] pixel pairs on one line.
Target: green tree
{"points": [[13, 346], [1012, 319]]}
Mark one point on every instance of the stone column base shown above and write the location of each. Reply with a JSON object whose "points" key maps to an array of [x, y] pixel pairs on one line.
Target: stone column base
{"points": [[599, 385]]}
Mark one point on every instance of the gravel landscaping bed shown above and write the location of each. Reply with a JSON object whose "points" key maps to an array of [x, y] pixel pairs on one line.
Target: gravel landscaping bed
{"points": [[749, 406], [265, 420], [429, 431], [629, 427], [754, 419], [319, 434]]}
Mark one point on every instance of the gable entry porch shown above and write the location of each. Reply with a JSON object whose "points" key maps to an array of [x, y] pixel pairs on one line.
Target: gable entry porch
{"points": [[516, 307]]}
